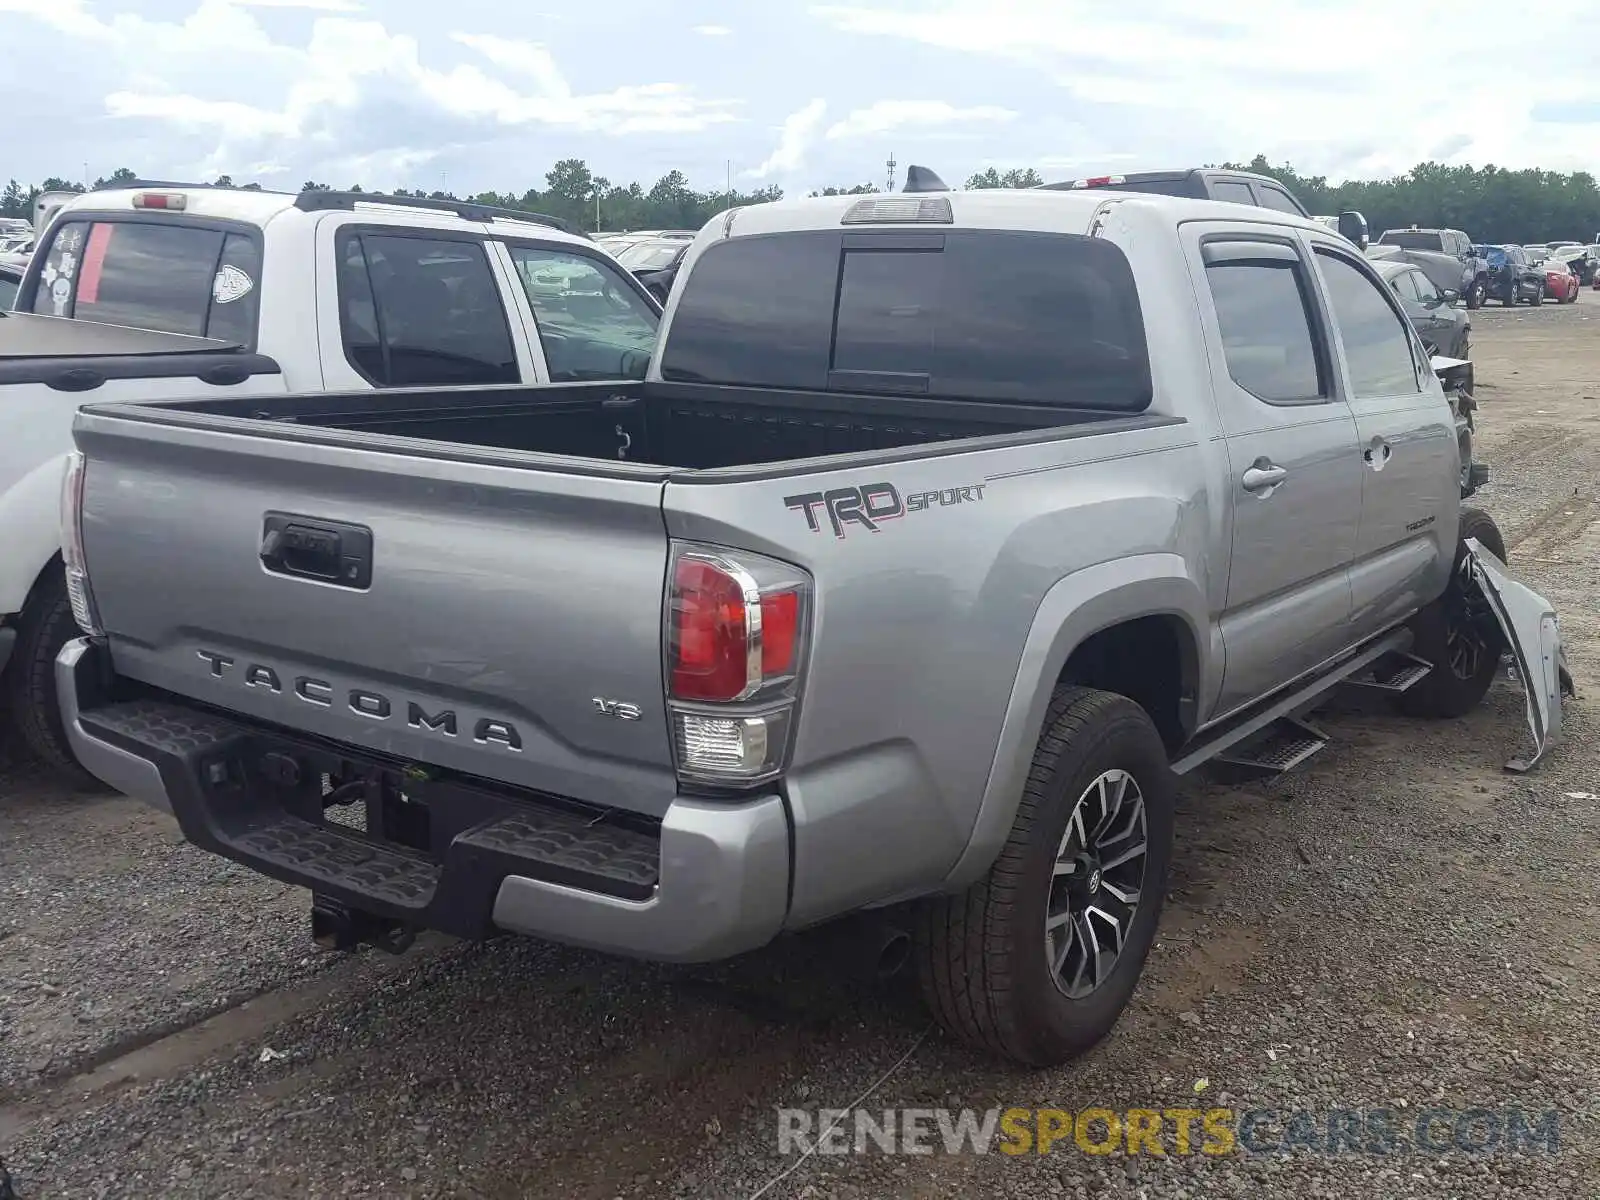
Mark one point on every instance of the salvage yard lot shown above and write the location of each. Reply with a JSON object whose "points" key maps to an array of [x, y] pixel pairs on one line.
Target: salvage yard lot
{"points": [[1401, 924]]}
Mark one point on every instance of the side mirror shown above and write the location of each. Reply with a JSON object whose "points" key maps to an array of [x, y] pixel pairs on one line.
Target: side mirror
{"points": [[1450, 295], [1353, 227]]}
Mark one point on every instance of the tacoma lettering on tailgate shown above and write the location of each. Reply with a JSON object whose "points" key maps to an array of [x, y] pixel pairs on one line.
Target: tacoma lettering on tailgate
{"points": [[364, 702]]}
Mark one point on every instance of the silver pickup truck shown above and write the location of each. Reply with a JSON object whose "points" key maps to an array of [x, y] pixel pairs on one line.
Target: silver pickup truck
{"points": [[946, 531]]}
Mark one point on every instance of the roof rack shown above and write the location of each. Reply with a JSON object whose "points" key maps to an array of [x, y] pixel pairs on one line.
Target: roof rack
{"points": [[122, 185], [468, 210]]}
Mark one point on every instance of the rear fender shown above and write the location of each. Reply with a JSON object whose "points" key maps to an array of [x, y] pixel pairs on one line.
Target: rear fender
{"points": [[30, 531], [1534, 635], [1072, 611]]}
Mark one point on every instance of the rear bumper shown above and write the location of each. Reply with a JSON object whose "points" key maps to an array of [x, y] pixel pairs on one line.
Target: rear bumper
{"points": [[711, 880]]}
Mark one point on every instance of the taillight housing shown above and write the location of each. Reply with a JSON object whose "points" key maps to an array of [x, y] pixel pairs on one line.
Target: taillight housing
{"points": [[737, 631], [72, 557]]}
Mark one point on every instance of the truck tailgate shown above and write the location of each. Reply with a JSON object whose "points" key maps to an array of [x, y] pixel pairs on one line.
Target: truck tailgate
{"points": [[469, 615]]}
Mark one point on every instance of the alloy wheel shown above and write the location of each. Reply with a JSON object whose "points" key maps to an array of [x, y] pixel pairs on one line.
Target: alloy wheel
{"points": [[1095, 885]]}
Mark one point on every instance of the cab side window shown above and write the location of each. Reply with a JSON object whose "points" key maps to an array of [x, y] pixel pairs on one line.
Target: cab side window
{"points": [[1377, 339], [417, 311], [1263, 311]]}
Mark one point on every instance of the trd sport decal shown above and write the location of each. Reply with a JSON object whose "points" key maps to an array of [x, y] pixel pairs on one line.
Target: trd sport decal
{"points": [[871, 504]]}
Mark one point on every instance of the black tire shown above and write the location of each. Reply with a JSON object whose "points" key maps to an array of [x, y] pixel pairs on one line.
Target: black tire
{"points": [[46, 626], [1455, 686], [982, 955], [1537, 298], [1476, 291]]}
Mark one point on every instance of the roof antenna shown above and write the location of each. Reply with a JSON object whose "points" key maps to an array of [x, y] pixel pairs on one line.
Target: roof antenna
{"points": [[921, 179]]}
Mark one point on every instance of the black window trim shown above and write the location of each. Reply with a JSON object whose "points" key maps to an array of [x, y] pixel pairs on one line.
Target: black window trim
{"points": [[1420, 361], [27, 293], [359, 229], [1328, 380]]}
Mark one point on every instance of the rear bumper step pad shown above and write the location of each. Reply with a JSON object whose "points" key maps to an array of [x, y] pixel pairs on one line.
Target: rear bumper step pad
{"points": [[210, 767]]}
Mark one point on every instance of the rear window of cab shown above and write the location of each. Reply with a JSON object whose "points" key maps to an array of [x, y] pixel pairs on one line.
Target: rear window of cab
{"points": [[1015, 316], [177, 278]]}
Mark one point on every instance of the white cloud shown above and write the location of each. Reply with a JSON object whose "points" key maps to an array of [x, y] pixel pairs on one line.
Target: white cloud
{"points": [[794, 139], [886, 115], [1308, 81], [195, 113], [343, 6], [712, 30], [344, 63]]}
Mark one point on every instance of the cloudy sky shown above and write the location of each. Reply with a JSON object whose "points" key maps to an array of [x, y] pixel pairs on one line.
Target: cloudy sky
{"points": [[470, 94]]}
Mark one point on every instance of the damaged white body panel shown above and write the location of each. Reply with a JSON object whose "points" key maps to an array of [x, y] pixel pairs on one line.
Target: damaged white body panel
{"points": [[1533, 634]]}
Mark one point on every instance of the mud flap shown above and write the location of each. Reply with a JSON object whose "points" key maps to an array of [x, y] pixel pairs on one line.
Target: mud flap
{"points": [[1534, 635]]}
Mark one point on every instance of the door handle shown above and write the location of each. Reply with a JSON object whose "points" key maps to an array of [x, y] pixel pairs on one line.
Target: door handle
{"points": [[1262, 479], [1377, 454]]}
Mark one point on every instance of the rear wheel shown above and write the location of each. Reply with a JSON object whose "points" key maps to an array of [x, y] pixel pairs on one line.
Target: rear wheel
{"points": [[1538, 296], [1458, 634], [1477, 290], [1037, 960], [46, 626]]}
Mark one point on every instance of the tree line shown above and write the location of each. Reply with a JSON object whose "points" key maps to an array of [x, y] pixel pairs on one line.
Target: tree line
{"points": [[1492, 204]]}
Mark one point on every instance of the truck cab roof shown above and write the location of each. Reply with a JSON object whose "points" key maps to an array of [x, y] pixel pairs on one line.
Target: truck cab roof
{"points": [[259, 207]]}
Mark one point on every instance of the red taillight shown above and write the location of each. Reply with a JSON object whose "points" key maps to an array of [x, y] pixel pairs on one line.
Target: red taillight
{"points": [[710, 638], [780, 632], [731, 631], [736, 628]]}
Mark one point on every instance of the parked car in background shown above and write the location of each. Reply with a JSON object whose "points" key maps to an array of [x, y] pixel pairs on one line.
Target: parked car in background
{"points": [[1471, 276], [1232, 187], [1537, 254], [1512, 278], [654, 263], [10, 281], [1444, 328], [251, 293], [1561, 281], [1584, 260]]}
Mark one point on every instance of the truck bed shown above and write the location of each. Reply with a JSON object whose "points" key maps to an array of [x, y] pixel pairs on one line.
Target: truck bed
{"points": [[683, 426]]}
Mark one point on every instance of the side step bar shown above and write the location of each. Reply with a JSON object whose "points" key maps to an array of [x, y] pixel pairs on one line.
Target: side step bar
{"points": [[1212, 743], [1392, 674], [1279, 748]]}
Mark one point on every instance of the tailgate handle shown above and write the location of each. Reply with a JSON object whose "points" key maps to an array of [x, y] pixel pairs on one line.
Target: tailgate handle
{"points": [[331, 552]]}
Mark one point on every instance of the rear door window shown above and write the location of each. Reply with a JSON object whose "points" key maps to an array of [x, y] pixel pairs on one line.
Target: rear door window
{"points": [[418, 311], [593, 324], [1263, 314], [8, 290], [1032, 318], [1233, 193], [177, 278], [1278, 199]]}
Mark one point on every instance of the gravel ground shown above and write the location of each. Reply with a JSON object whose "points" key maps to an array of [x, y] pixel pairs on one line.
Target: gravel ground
{"points": [[1398, 925]]}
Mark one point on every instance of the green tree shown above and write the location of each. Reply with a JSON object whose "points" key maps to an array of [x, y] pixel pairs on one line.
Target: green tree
{"points": [[13, 201], [1016, 177]]}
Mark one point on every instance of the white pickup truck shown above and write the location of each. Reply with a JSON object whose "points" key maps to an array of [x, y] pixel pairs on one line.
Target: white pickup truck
{"points": [[167, 291]]}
